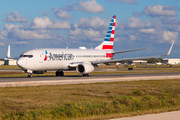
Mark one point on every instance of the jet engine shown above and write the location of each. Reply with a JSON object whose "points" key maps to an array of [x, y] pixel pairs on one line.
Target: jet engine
{"points": [[84, 68]]}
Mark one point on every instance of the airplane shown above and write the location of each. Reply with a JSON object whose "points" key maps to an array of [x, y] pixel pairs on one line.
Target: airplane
{"points": [[38, 61]]}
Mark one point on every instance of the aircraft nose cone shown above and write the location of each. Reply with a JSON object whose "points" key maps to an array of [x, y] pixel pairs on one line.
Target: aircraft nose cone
{"points": [[20, 63]]}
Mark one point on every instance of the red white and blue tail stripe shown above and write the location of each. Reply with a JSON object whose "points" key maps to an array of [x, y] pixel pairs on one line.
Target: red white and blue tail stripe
{"points": [[107, 44]]}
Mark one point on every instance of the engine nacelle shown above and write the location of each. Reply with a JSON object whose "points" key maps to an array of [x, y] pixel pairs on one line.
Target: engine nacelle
{"points": [[84, 68]]}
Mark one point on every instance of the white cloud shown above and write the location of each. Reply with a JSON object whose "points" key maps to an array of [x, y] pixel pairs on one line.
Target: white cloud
{"points": [[59, 25], [125, 1], [40, 23], [62, 14], [46, 13], [3, 34], [79, 34], [17, 32], [169, 20], [15, 17], [174, 27], [170, 36], [148, 31], [74, 32], [159, 10], [137, 23], [85, 33], [129, 1], [27, 35], [92, 7], [156, 24], [89, 6], [39, 28], [2, 44], [46, 23], [21, 42], [93, 22], [132, 37], [91, 33], [2, 37], [75, 25], [9, 27], [172, 23]]}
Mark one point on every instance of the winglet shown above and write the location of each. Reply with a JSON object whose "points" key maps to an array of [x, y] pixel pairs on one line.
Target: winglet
{"points": [[169, 50]]}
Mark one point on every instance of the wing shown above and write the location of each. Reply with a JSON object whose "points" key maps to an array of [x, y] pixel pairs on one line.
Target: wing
{"points": [[137, 58], [128, 50]]}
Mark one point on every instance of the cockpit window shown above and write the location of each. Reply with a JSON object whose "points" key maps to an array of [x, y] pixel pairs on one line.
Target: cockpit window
{"points": [[29, 56]]}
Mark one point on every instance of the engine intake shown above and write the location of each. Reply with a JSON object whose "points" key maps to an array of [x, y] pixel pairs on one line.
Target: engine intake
{"points": [[84, 68]]}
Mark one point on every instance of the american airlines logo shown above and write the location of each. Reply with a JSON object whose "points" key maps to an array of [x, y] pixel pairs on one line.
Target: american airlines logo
{"points": [[61, 56], [58, 56]]}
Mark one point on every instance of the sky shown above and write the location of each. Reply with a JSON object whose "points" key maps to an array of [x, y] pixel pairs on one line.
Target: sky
{"points": [[152, 24]]}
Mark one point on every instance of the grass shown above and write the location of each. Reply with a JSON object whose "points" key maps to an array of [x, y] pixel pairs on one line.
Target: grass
{"points": [[90, 101], [9, 67]]}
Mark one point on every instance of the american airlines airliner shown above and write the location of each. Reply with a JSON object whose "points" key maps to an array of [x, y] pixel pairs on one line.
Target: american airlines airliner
{"points": [[38, 61]]}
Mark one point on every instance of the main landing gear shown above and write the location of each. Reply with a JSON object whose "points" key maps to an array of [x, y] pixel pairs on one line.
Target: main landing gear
{"points": [[86, 75], [59, 73]]}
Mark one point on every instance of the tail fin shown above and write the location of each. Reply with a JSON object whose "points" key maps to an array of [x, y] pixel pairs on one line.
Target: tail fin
{"points": [[107, 44], [8, 52]]}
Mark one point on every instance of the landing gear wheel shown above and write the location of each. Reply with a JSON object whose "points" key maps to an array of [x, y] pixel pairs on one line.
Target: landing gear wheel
{"points": [[86, 75], [89, 75], [30, 75], [59, 73]]}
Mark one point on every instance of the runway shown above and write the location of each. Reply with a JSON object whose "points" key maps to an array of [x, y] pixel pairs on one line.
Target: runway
{"points": [[77, 79], [175, 115]]}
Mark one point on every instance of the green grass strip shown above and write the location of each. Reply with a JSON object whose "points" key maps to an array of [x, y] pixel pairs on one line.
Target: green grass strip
{"points": [[89, 101]]}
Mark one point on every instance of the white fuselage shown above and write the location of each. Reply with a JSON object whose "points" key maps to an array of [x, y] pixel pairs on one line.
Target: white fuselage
{"points": [[58, 59]]}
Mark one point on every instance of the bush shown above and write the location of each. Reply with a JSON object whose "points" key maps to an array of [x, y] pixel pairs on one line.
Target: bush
{"points": [[137, 92], [108, 91]]}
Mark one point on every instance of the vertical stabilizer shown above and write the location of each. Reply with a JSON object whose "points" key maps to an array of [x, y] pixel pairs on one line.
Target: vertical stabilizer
{"points": [[107, 44], [8, 52]]}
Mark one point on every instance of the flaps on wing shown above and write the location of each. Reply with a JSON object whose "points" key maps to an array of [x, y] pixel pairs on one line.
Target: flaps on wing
{"points": [[128, 50], [137, 58]]}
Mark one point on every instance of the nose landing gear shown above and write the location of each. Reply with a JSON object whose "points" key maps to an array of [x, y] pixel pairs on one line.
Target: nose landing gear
{"points": [[30, 75]]}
